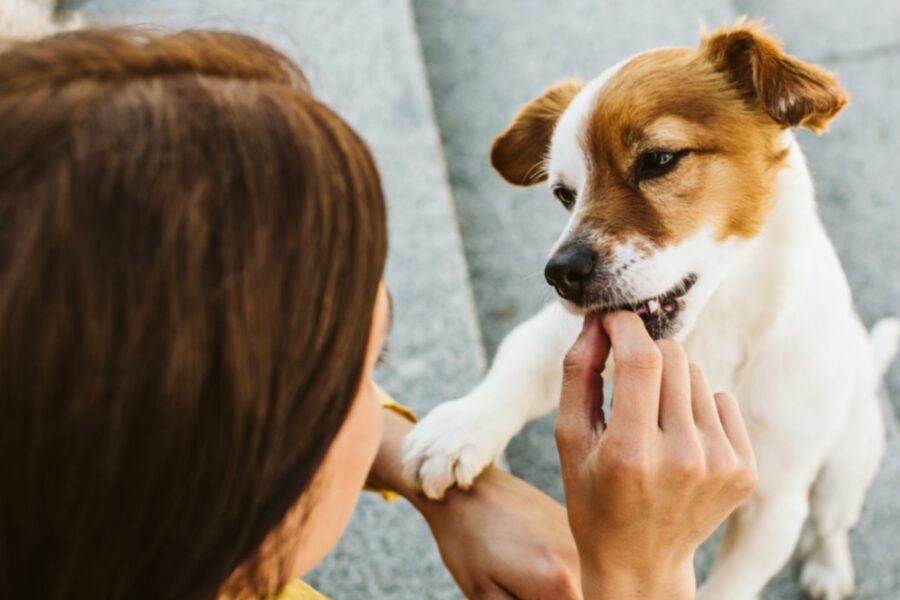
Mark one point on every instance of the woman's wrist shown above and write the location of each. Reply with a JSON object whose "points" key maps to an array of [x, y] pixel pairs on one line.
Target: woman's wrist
{"points": [[386, 472], [604, 581]]}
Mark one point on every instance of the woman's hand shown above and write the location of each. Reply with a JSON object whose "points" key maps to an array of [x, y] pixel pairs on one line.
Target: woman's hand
{"points": [[501, 539], [647, 488], [505, 539]]}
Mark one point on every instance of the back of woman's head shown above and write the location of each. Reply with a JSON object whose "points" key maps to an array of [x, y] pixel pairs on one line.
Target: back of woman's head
{"points": [[190, 249]]}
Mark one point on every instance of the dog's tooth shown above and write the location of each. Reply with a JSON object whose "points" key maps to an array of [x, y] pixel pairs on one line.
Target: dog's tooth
{"points": [[653, 306]]}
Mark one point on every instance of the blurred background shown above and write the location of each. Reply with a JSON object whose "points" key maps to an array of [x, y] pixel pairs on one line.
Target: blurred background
{"points": [[429, 83]]}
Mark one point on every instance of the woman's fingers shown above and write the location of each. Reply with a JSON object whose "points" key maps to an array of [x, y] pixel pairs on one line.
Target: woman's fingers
{"points": [[703, 405], [733, 424], [664, 474], [675, 412], [639, 365], [582, 390]]}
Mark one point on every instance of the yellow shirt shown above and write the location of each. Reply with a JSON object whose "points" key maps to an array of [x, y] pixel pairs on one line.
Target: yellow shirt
{"points": [[298, 590]]}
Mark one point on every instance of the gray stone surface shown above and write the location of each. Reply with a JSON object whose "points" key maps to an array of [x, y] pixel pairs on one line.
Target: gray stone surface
{"points": [[365, 62]]}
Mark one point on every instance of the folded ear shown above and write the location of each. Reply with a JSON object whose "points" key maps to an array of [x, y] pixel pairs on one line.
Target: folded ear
{"points": [[792, 92], [519, 152]]}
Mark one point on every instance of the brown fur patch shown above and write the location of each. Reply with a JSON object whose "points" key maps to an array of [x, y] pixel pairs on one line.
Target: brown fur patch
{"points": [[518, 153]]}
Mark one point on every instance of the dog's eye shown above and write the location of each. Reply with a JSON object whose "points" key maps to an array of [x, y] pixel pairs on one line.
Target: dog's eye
{"points": [[657, 163], [565, 195]]}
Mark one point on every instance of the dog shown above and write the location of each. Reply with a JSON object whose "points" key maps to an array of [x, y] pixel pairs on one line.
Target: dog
{"points": [[691, 205]]}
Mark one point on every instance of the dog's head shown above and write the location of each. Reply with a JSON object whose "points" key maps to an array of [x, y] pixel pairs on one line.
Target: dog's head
{"points": [[668, 165]]}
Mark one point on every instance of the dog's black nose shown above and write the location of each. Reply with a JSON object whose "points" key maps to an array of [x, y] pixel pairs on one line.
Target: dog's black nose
{"points": [[568, 269]]}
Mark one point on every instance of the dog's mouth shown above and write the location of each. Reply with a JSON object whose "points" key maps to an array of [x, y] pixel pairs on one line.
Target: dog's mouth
{"points": [[659, 312]]}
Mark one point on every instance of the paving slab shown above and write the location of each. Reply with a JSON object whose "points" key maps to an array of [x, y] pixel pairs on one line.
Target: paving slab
{"points": [[827, 28], [366, 63]]}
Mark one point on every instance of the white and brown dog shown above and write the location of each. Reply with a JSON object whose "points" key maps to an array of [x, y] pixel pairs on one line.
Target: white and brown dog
{"points": [[691, 204]]}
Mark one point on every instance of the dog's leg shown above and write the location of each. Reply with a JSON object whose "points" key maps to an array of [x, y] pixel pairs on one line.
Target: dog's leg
{"points": [[458, 439], [763, 531], [760, 538], [836, 503]]}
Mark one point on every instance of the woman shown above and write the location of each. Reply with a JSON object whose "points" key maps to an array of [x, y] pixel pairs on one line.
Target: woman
{"points": [[191, 306]]}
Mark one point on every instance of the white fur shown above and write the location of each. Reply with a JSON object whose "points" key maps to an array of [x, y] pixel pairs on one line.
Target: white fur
{"points": [[770, 320], [570, 166]]}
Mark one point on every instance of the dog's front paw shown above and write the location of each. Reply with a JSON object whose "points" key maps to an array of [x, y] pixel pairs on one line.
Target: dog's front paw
{"points": [[827, 580], [452, 445]]}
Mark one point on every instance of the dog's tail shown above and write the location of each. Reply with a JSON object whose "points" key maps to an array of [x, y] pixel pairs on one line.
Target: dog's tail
{"points": [[885, 340]]}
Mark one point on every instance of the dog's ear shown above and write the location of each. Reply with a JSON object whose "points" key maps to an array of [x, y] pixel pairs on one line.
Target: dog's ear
{"points": [[792, 92], [519, 152]]}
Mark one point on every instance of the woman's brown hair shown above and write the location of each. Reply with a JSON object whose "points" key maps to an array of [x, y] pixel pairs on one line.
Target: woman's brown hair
{"points": [[190, 250]]}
